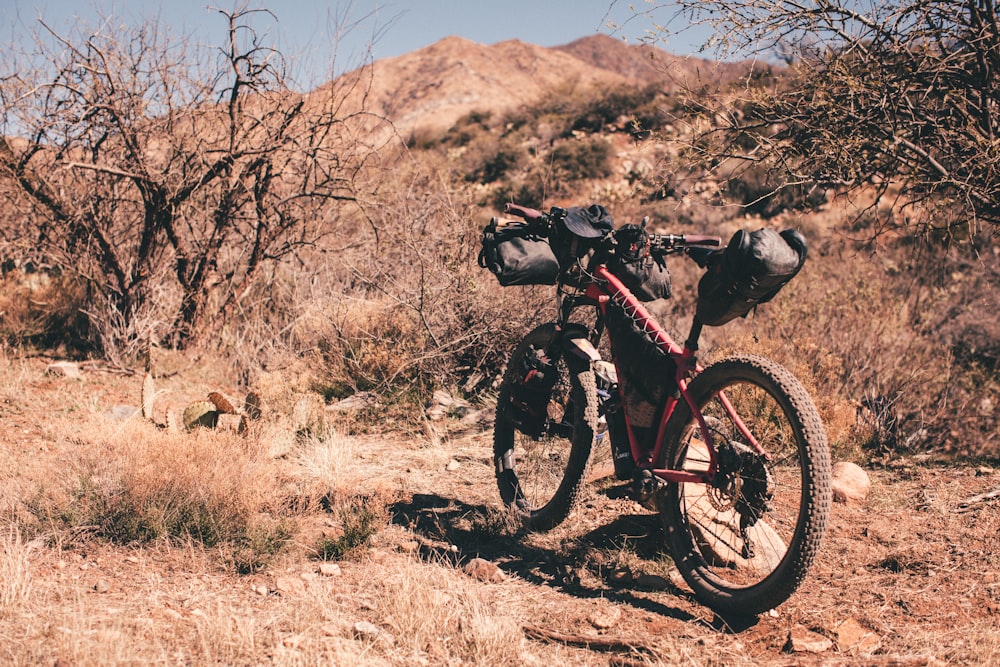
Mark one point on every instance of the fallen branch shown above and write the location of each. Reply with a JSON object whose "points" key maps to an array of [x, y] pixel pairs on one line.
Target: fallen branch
{"points": [[982, 497], [585, 641]]}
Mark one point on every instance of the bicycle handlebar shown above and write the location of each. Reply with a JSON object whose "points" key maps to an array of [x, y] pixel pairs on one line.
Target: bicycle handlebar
{"points": [[659, 243], [529, 214]]}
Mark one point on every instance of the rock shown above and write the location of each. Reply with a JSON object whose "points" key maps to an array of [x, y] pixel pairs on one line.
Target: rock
{"points": [[802, 640], [475, 417], [358, 401], [286, 585], [102, 586], [66, 369], [443, 405], [852, 637], [605, 618], [371, 632], [122, 413], [200, 414], [849, 482], [484, 570], [329, 569], [453, 465]]}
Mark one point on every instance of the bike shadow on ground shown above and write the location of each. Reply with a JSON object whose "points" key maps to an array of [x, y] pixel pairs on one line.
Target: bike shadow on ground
{"points": [[451, 530]]}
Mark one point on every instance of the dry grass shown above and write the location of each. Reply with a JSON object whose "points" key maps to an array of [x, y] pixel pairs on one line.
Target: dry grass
{"points": [[15, 573]]}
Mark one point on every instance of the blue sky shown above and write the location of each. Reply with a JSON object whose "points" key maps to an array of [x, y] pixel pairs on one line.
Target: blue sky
{"points": [[305, 29]]}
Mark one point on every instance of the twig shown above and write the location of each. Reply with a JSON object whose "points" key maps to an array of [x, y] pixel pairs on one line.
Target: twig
{"points": [[995, 493], [583, 641]]}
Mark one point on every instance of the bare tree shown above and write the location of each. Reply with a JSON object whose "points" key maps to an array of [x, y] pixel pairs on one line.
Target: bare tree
{"points": [[900, 94], [170, 175]]}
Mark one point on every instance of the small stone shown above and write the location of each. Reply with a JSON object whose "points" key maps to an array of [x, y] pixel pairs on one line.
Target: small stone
{"points": [[66, 369], [849, 482], [606, 618], [120, 413], [453, 465], [358, 401], [102, 586], [260, 589], [853, 638], [484, 570], [984, 471], [802, 640], [330, 569], [477, 417], [371, 632]]}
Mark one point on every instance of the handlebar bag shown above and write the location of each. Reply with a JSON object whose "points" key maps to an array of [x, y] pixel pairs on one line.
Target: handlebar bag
{"points": [[577, 230], [634, 265], [517, 254], [751, 270]]}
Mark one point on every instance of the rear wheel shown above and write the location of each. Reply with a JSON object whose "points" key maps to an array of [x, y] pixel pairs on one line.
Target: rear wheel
{"points": [[541, 475], [745, 543]]}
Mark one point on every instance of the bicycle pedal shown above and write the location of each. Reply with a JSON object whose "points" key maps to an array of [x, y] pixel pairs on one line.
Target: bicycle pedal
{"points": [[647, 489]]}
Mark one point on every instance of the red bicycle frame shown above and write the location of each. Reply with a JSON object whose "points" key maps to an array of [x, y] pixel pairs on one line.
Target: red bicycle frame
{"points": [[609, 287]]}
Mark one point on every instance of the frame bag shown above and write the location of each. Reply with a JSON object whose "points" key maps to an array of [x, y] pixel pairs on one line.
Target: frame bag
{"points": [[646, 277], [751, 270], [517, 255]]}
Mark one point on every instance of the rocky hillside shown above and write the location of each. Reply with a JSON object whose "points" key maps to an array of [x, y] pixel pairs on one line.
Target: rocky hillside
{"points": [[433, 87]]}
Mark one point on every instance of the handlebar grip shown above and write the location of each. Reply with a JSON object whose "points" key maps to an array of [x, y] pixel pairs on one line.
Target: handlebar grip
{"points": [[528, 214], [702, 240]]}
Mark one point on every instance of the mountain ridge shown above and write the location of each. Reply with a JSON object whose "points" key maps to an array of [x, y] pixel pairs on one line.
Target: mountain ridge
{"points": [[432, 87]]}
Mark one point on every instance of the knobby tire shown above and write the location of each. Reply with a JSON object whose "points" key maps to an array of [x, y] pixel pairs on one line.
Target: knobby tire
{"points": [[702, 524], [541, 479]]}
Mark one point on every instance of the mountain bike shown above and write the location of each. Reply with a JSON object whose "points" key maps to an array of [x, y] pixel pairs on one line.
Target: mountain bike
{"points": [[733, 456]]}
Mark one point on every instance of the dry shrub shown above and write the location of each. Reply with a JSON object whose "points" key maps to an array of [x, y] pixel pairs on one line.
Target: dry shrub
{"points": [[44, 310], [361, 517], [137, 485]]}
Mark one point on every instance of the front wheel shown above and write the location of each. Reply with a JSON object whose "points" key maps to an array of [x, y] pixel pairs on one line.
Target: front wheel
{"points": [[745, 542], [545, 426]]}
